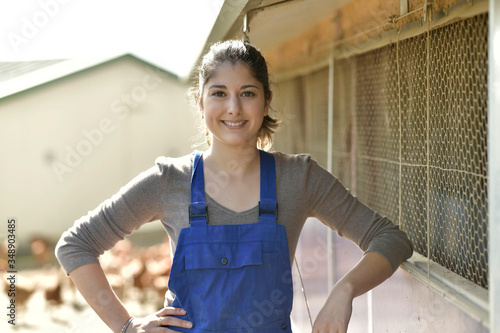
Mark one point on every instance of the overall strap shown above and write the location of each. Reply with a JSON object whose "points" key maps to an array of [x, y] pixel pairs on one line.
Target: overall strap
{"points": [[268, 206], [198, 215]]}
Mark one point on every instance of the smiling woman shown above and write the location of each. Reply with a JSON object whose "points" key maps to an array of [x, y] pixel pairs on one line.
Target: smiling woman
{"points": [[236, 75], [233, 244], [234, 106]]}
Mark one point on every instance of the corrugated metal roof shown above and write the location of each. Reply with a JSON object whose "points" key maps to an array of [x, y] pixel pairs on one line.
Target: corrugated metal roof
{"points": [[16, 77], [10, 70]]}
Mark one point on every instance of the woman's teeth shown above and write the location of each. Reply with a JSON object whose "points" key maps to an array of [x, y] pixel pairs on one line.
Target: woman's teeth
{"points": [[234, 124]]}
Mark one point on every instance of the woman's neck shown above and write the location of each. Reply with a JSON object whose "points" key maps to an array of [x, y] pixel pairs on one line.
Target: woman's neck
{"points": [[236, 161]]}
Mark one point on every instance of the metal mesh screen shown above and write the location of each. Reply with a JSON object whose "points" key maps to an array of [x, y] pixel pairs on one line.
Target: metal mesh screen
{"points": [[410, 139]]}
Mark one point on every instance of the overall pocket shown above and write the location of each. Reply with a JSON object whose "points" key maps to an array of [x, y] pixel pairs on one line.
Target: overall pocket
{"points": [[231, 285]]}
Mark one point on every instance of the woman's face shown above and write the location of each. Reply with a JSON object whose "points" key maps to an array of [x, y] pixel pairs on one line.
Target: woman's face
{"points": [[233, 105]]}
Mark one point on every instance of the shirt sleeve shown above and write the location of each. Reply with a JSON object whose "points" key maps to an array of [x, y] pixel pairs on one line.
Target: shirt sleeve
{"points": [[134, 205], [336, 207]]}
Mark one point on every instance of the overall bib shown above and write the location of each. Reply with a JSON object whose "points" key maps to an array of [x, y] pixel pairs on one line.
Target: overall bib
{"points": [[233, 278]]}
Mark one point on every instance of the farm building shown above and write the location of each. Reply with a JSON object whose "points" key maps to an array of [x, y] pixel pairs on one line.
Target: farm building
{"points": [[62, 121]]}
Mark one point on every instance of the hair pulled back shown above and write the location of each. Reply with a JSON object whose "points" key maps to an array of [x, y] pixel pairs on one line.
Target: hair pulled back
{"points": [[234, 51]]}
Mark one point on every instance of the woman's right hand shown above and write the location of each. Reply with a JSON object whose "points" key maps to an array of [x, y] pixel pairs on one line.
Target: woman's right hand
{"points": [[151, 323]]}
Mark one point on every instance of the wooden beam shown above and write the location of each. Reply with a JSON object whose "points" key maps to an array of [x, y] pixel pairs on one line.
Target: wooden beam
{"points": [[353, 24]]}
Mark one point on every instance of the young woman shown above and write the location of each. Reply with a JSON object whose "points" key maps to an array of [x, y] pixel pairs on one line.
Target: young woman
{"points": [[234, 215]]}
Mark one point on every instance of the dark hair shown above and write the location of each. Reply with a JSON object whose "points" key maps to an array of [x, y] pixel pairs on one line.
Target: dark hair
{"points": [[236, 51]]}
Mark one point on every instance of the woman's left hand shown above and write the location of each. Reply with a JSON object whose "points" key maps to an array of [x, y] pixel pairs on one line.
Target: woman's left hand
{"points": [[368, 273], [335, 315]]}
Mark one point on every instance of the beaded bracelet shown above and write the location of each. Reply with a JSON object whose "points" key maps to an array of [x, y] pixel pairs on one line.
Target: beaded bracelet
{"points": [[124, 329]]}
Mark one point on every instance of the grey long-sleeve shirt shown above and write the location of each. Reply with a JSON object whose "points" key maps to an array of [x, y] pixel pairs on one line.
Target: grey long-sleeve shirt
{"points": [[304, 189]]}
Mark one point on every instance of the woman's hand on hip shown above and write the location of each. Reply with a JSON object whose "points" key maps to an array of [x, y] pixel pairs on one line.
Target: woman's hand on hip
{"points": [[158, 321]]}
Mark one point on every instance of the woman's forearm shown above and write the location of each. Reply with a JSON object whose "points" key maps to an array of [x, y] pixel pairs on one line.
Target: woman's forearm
{"points": [[369, 272], [95, 288]]}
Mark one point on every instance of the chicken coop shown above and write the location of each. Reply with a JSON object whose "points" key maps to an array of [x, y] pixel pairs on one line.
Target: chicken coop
{"points": [[397, 99]]}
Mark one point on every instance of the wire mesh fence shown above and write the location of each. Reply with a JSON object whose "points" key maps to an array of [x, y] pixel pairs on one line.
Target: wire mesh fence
{"points": [[409, 137], [420, 155]]}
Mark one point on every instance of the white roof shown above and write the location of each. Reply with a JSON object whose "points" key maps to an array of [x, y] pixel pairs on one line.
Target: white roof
{"points": [[19, 76]]}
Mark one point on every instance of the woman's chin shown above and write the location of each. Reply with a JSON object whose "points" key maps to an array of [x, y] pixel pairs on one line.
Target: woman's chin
{"points": [[235, 142]]}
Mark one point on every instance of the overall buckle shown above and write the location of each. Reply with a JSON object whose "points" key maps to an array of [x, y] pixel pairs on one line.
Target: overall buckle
{"points": [[195, 212], [272, 212]]}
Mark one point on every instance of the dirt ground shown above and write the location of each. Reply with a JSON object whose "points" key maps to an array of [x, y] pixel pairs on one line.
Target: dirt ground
{"points": [[72, 315]]}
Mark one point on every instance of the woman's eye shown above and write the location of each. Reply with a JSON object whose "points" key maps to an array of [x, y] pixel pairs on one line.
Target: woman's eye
{"points": [[248, 94], [218, 94]]}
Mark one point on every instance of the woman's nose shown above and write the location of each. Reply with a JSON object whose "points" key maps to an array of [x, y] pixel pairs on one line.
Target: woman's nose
{"points": [[234, 105]]}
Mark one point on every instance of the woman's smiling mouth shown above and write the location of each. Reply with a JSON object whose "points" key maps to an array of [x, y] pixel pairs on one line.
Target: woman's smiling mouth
{"points": [[234, 124]]}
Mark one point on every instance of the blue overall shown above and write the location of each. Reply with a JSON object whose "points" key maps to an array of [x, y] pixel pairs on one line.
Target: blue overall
{"points": [[233, 278]]}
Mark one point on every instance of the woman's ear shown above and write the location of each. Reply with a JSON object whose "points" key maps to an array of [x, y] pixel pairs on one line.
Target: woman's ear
{"points": [[200, 106]]}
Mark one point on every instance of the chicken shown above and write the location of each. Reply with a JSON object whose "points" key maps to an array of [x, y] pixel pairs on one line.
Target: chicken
{"points": [[52, 290]]}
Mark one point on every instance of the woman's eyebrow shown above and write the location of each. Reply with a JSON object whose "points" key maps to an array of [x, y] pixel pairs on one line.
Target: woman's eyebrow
{"points": [[221, 86], [217, 86], [249, 86]]}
